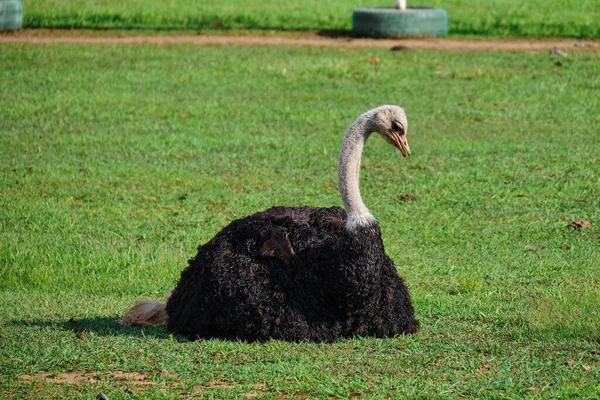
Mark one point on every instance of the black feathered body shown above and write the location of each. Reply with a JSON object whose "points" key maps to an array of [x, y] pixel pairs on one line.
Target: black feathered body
{"points": [[292, 274]]}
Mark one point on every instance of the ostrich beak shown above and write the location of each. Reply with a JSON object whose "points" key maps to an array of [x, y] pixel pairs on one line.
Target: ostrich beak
{"points": [[401, 143]]}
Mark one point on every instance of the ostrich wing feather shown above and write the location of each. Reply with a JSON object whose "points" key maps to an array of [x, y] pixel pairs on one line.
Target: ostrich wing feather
{"points": [[278, 245]]}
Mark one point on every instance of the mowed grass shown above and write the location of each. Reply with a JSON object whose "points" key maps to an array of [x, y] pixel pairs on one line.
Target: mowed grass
{"points": [[117, 161], [578, 19]]}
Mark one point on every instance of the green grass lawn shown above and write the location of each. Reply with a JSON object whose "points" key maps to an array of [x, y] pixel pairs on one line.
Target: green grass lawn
{"points": [[116, 161], [571, 18]]}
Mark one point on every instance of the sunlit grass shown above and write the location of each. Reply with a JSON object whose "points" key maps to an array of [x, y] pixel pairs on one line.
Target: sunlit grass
{"points": [[117, 161], [495, 17]]}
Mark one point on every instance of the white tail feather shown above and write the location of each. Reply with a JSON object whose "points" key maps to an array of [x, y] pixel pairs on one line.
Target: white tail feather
{"points": [[147, 313]]}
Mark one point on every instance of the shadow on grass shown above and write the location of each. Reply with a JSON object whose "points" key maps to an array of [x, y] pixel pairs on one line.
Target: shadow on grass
{"points": [[348, 35], [104, 326], [336, 34]]}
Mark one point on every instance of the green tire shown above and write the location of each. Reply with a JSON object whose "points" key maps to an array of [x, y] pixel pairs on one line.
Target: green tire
{"points": [[391, 22], [11, 14]]}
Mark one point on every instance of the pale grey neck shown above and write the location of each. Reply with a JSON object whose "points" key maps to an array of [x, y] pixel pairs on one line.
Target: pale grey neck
{"points": [[348, 173]]}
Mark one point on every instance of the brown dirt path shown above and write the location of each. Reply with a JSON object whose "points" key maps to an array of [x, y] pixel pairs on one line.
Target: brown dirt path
{"points": [[296, 39]]}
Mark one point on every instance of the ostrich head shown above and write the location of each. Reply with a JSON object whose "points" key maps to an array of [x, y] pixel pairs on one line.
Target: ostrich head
{"points": [[391, 123]]}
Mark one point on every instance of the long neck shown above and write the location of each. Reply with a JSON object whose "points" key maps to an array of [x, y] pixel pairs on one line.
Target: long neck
{"points": [[348, 174]]}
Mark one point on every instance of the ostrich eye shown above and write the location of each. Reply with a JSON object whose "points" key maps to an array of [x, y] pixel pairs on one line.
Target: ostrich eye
{"points": [[396, 127]]}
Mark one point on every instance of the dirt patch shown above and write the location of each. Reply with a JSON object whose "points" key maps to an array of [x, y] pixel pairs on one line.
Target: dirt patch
{"points": [[246, 38], [409, 197], [212, 385], [135, 382], [216, 384], [78, 377], [580, 224]]}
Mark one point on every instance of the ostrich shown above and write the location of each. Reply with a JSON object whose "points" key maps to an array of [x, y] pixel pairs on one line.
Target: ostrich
{"points": [[296, 273]]}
